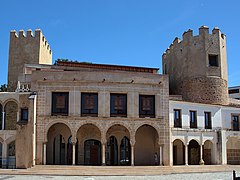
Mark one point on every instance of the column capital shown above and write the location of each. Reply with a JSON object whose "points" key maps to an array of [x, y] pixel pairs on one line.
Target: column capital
{"points": [[132, 142]]}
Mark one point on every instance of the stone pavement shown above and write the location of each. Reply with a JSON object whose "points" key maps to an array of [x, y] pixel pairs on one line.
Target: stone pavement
{"points": [[195, 176], [56, 170]]}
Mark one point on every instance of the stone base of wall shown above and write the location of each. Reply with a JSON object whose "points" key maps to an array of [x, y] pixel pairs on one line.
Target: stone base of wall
{"points": [[209, 90], [233, 156]]}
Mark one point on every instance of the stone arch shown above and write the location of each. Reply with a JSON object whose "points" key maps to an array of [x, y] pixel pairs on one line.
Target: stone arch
{"points": [[180, 139], [9, 100], [126, 125], [49, 125], [194, 139], [114, 135], [153, 125], [11, 115], [1, 140], [10, 139], [208, 152], [57, 141], [88, 135], [147, 145], [178, 152]]}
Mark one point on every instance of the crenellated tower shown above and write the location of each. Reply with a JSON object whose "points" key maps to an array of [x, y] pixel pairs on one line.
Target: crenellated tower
{"points": [[26, 48], [197, 67]]}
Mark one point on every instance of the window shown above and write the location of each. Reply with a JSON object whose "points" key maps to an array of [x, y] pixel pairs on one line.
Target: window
{"points": [[89, 104], [147, 106], [213, 60], [193, 119], [177, 118], [60, 103], [24, 114], [233, 91], [235, 122], [208, 120], [118, 105]]}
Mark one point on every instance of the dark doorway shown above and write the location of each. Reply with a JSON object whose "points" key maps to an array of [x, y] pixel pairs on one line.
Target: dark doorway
{"points": [[59, 150], [193, 153], [125, 150], [112, 151], [92, 152]]}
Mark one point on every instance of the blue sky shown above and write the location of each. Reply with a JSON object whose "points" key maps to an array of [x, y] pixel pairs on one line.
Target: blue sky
{"points": [[123, 32]]}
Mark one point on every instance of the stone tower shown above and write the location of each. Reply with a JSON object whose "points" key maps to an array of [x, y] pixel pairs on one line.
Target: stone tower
{"points": [[26, 49], [197, 67]]}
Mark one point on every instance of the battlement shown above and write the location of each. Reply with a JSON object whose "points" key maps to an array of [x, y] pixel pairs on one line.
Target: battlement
{"points": [[30, 35], [188, 36]]}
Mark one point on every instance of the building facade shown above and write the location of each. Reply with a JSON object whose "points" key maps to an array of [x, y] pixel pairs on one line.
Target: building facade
{"points": [[74, 113]]}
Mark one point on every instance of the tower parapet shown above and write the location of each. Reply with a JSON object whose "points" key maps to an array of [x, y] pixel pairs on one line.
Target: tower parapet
{"points": [[26, 48], [197, 66]]}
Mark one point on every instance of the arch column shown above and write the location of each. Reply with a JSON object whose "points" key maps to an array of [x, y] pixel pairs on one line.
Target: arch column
{"points": [[201, 162], [186, 154], [73, 153], [160, 154], [44, 153], [132, 142], [104, 142]]}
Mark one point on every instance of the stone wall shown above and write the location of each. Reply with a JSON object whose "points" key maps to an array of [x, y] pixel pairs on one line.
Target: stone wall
{"points": [[209, 90], [233, 156]]}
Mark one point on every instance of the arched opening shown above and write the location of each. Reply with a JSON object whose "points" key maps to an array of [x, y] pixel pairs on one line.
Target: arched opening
{"points": [[11, 159], [89, 146], [11, 109], [1, 110], [125, 151], [233, 151], [118, 151], [92, 152], [193, 153], [146, 146], [57, 151], [208, 153], [70, 151], [112, 151], [178, 152]]}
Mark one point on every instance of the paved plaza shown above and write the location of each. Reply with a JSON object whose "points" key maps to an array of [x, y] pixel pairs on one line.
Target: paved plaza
{"points": [[205, 172], [195, 176]]}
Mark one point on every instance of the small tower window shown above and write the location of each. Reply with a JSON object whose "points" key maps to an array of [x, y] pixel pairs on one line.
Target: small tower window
{"points": [[213, 60]]}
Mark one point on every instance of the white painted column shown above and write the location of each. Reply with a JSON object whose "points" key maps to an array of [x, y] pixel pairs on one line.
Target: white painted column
{"points": [[3, 120], [201, 155], [132, 155], [186, 154], [73, 153], [44, 153], [103, 154], [160, 156]]}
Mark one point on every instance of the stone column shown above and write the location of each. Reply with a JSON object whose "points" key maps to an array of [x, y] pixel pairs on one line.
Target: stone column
{"points": [[132, 155], [44, 153], [103, 154], [160, 156], [201, 162], [73, 153], [186, 154]]}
